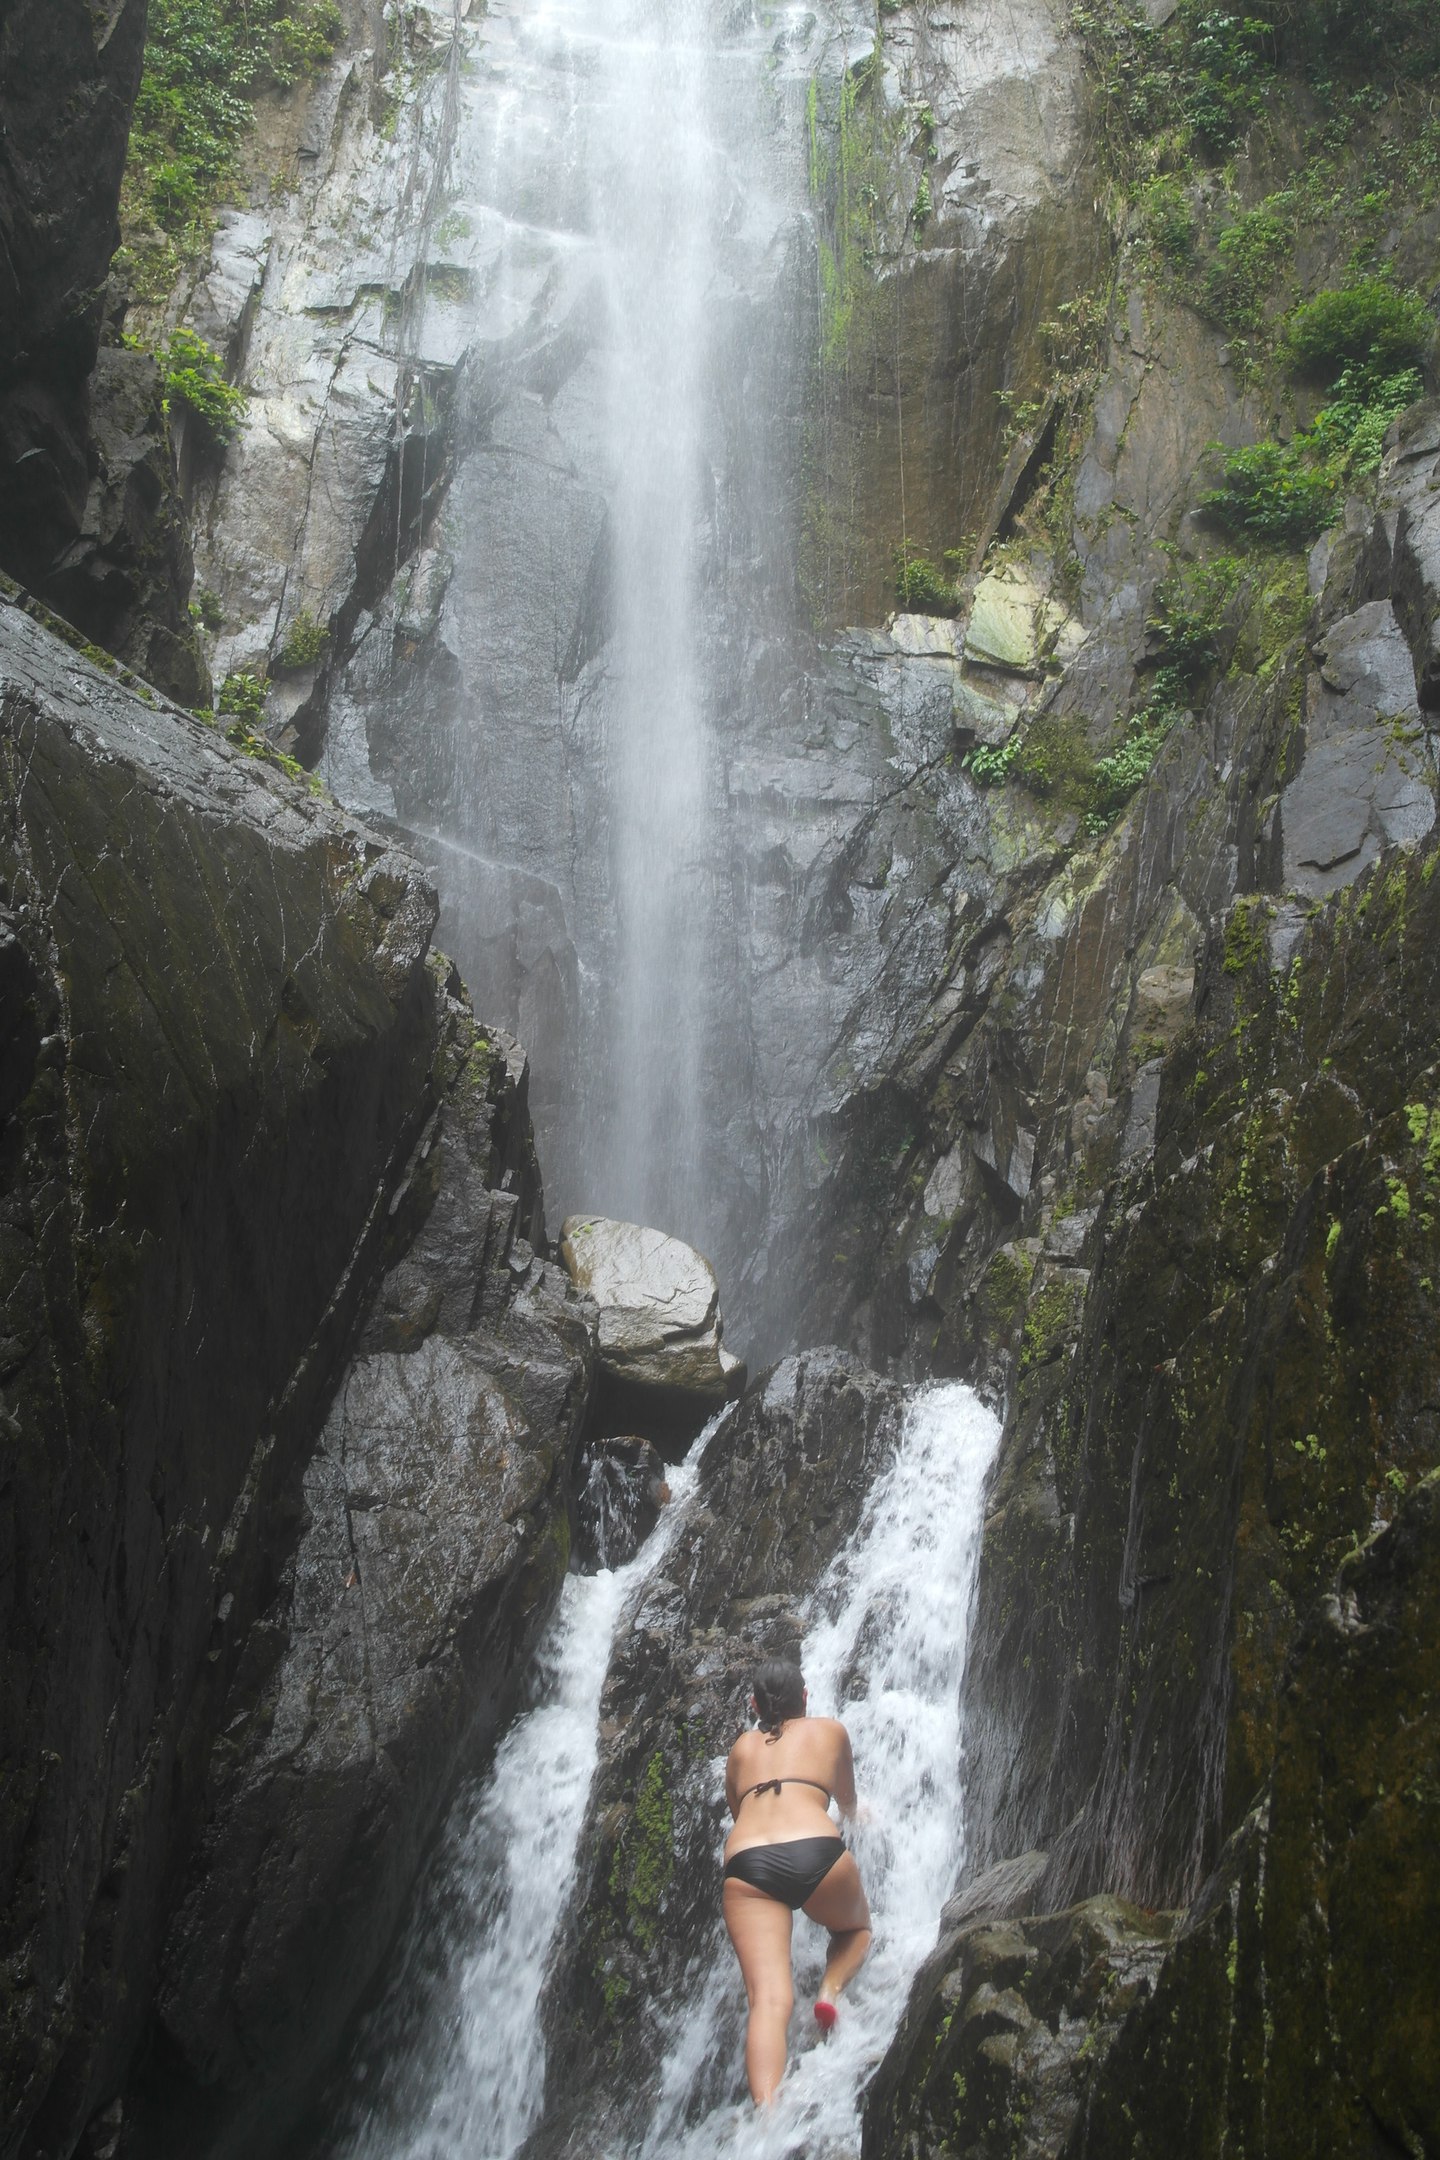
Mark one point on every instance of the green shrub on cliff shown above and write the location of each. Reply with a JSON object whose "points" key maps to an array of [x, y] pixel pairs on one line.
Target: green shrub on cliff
{"points": [[205, 60], [195, 378], [1289, 492], [922, 588], [1372, 324]]}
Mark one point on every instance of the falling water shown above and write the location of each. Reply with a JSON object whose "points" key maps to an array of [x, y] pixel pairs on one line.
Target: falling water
{"points": [[885, 1651], [452, 2062], [657, 206], [456, 2055]]}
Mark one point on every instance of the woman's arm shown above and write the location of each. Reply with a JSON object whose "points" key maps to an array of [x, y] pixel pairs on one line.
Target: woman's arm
{"points": [[845, 1777]]}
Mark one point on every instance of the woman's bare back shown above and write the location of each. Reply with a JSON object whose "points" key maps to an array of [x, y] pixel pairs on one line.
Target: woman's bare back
{"points": [[808, 1748]]}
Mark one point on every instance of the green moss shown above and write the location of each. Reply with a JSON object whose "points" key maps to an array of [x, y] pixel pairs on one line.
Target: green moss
{"points": [[1246, 945], [1002, 1293], [1050, 1321], [644, 1860]]}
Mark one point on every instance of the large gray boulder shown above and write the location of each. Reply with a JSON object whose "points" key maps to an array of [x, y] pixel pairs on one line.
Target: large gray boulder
{"points": [[659, 1320]]}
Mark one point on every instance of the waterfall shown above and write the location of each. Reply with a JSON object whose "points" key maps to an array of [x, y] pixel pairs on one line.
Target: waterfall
{"points": [[453, 2063], [885, 1651]]}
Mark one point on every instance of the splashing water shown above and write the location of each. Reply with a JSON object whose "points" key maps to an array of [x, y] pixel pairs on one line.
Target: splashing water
{"points": [[885, 1651], [458, 2048]]}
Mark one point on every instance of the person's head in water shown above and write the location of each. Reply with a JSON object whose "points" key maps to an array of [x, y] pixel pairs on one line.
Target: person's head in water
{"points": [[779, 1690]]}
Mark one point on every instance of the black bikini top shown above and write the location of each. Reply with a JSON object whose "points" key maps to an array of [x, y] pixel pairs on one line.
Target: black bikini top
{"points": [[773, 1784]]}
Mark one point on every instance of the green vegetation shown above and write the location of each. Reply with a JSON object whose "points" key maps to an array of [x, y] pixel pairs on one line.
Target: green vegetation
{"points": [[992, 764], [305, 643], [1052, 757], [242, 697], [645, 1856], [1371, 325], [205, 60], [921, 587], [1290, 492], [194, 376], [242, 703]]}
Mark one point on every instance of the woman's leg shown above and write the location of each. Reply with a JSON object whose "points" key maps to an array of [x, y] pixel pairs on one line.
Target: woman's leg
{"points": [[839, 1905], [760, 1930]]}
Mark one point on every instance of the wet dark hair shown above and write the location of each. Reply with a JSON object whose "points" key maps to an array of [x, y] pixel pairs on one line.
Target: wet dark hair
{"points": [[779, 1690]]}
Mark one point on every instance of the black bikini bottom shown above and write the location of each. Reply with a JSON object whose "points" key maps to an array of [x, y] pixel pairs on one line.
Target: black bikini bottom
{"points": [[790, 1873]]}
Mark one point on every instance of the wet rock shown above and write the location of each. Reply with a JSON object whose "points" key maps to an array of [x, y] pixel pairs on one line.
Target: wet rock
{"points": [[125, 578], [1296, 2013], [1366, 780], [1007, 2027], [218, 1042], [90, 519], [435, 1539], [659, 1325], [1248, 1378], [68, 78], [257, 1625], [1406, 541], [620, 1489]]}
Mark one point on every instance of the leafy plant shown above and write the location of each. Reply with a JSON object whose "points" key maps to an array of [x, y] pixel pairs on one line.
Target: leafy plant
{"points": [[990, 764], [1371, 324], [1274, 491], [1228, 61], [194, 376], [204, 62], [922, 588], [1247, 255], [1290, 492], [242, 697], [1168, 221], [1118, 775], [305, 642]]}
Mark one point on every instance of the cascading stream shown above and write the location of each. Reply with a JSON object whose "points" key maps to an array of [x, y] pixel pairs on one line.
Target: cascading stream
{"points": [[885, 1650], [452, 2066], [452, 2063]]}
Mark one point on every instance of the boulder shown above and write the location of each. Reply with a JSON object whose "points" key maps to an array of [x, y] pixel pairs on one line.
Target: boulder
{"points": [[660, 1351]]}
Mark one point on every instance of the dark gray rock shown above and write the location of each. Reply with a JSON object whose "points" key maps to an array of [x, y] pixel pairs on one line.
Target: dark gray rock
{"points": [[1366, 779], [125, 577], [1006, 2028], [235, 1089], [436, 1536], [89, 515]]}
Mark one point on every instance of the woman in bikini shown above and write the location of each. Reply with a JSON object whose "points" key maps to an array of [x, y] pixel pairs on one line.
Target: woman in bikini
{"points": [[782, 1856]]}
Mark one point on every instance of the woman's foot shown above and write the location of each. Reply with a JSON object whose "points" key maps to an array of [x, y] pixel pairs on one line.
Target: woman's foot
{"points": [[827, 2017]]}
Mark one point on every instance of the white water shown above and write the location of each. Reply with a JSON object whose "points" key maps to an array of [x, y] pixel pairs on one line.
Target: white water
{"points": [[458, 2047], [885, 1650], [457, 2055]]}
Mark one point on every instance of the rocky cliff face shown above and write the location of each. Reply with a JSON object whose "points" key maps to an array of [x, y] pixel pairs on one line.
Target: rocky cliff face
{"points": [[421, 319], [1113, 1092], [268, 1284], [89, 514]]}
